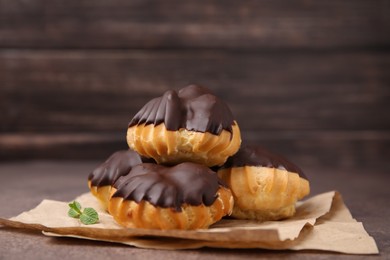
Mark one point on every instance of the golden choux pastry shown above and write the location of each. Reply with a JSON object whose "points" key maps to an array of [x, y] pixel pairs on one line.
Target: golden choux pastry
{"points": [[185, 196], [191, 125], [265, 186], [101, 179]]}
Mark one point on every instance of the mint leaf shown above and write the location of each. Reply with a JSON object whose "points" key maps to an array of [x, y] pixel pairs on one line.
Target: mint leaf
{"points": [[75, 209], [89, 216], [75, 205], [74, 214]]}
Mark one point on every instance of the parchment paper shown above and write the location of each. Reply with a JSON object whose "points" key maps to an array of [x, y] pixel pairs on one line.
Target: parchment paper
{"points": [[322, 222]]}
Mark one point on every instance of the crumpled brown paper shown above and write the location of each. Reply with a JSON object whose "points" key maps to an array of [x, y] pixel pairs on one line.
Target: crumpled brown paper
{"points": [[322, 222]]}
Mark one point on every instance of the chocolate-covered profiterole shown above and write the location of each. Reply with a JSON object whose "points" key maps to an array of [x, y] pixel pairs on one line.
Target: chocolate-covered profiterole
{"points": [[194, 108], [265, 186], [169, 187], [259, 156], [118, 164]]}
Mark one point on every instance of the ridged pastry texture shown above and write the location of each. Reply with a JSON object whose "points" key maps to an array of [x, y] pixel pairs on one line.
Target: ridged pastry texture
{"points": [[191, 124], [264, 193], [102, 193], [173, 147], [131, 214], [101, 179]]}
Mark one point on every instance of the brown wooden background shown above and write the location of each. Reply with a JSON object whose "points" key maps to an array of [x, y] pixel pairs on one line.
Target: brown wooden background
{"points": [[308, 79]]}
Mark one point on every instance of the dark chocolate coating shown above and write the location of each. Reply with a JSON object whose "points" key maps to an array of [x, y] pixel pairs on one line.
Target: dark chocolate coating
{"points": [[194, 108], [118, 164], [169, 187], [259, 156]]}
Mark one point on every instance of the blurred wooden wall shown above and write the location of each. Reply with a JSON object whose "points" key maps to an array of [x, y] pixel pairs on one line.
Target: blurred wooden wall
{"points": [[308, 79]]}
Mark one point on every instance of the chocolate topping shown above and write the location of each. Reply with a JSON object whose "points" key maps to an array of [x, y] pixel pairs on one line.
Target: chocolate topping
{"points": [[258, 156], [169, 187], [194, 108], [118, 164]]}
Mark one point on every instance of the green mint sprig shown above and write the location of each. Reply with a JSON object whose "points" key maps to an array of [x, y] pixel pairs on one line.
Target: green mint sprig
{"points": [[88, 216]]}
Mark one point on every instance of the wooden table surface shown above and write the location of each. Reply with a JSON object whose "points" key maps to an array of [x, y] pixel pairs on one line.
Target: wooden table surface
{"points": [[24, 184]]}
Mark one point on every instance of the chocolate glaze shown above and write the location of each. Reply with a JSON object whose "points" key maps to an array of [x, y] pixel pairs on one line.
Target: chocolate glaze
{"points": [[194, 108], [169, 187], [259, 156], [118, 164]]}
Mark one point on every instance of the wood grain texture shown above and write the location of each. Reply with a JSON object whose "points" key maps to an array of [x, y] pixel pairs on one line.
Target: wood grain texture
{"points": [[348, 150], [49, 91], [307, 78], [194, 24]]}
